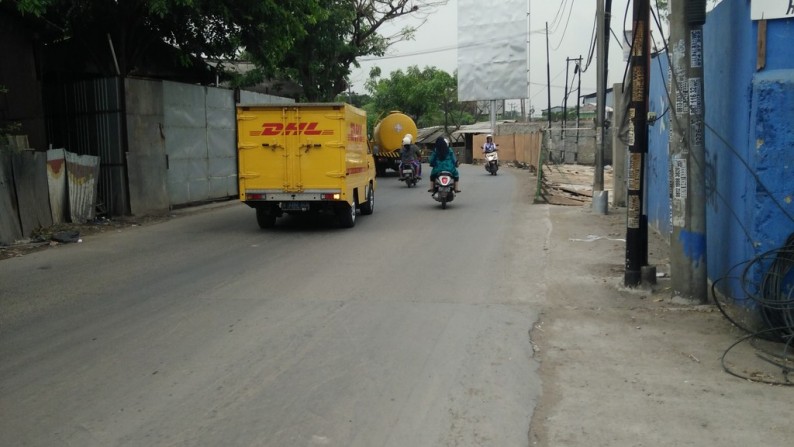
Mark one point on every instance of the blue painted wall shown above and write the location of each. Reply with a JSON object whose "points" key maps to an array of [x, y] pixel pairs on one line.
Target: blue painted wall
{"points": [[729, 64], [657, 174], [749, 141]]}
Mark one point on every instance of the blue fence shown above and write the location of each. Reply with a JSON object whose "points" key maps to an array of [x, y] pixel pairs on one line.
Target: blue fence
{"points": [[749, 141]]}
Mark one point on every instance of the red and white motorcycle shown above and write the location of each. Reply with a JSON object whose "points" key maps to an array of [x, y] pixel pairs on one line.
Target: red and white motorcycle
{"points": [[444, 188]]}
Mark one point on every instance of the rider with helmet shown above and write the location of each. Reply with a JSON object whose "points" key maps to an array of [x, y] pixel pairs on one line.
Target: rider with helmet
{"points": [[410, 153], [489, 145]]}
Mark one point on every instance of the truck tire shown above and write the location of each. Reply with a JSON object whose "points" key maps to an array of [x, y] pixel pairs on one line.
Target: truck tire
{"points": [[368, 207], [265, 218], [346, 214]]}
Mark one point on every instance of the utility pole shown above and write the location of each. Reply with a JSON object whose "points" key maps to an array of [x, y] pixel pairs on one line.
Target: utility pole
{"points": [[529, 65], [619, 150], [578, 94], [548, 76], [565, 101], [636, 220], [687, 151], [600, 197]]}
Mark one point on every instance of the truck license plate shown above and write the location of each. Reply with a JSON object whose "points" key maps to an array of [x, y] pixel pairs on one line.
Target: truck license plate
{"points": [[294, 206]]}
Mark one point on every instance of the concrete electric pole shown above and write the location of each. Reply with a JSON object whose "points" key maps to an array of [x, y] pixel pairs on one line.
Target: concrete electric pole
{"points": [[636, 219], [603, 13], [600, 198], [687, 151]]}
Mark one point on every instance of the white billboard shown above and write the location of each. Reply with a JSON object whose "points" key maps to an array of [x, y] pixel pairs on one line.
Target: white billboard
{"points": [[771, 9], [492, 49]]}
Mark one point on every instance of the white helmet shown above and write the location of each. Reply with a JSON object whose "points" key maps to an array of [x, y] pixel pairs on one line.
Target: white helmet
{"points": [[489, 136], [408, 139]]}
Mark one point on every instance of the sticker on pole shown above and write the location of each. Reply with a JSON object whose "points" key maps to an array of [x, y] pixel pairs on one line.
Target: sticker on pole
{"points": [[679, 179]]}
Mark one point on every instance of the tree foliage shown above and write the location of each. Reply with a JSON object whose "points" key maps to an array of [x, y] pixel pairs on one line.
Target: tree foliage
{"points": [[215, 29], [311, 42], [321, 61], [428, 95]]}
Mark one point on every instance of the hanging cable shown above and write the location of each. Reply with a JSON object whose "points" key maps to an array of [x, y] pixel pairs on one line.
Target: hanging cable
{"points": [[566, 27], [555, 22], [591, 53]]}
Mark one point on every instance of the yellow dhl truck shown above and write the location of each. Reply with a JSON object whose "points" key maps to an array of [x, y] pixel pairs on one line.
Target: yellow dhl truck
{"points": [[388, 140], [305, 158]]}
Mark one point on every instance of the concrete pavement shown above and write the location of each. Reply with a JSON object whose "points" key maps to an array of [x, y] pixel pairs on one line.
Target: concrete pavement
{"points": [[624, 367]]}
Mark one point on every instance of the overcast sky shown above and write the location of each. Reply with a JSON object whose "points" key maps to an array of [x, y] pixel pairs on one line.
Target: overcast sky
{"points": [[570, 30]]}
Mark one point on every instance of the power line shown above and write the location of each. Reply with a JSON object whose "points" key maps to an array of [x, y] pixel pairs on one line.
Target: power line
{"points": [[555, 23], [568, 21], [592, 46], [446, 48]]}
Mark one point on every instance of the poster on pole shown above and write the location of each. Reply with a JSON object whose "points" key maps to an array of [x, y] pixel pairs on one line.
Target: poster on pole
{"points": [[492, 49]]}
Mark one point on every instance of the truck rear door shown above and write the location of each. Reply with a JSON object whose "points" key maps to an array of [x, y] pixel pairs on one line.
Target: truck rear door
{"points": [[292, 148]]}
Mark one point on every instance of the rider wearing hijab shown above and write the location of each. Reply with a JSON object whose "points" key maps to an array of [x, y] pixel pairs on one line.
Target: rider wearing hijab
{"points": [[443, 159]]}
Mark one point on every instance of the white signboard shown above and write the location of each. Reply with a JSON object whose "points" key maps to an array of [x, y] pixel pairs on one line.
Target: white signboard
{"points": [[771, 9], [492, 49]]}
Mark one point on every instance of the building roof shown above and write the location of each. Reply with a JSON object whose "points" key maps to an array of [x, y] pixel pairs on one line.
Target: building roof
{"points": [[428, 135], [481, 127]]}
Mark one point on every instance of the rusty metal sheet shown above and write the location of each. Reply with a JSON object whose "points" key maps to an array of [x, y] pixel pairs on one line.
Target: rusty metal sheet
{"points": [[56, 181], [82, 179], [32, 191], [10, 229]]}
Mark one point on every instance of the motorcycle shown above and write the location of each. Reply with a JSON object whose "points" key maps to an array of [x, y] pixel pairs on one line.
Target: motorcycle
{"points": [[491, 162], [408, 174], [444, 188]]}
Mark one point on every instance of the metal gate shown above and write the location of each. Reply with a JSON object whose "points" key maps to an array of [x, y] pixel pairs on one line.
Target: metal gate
{"points": [[85, 117], [199, 143]]}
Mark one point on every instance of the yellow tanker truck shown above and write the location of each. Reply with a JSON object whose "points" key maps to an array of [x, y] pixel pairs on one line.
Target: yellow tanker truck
{"points": [[388, 139]]}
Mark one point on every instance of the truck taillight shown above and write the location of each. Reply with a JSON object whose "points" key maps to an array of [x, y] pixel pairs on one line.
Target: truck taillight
{"points": [[251, 196], [335, 196]]}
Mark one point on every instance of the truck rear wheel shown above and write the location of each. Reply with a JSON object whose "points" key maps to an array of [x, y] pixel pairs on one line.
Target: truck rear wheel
{"points": [[368, 207], [346, 214], [264, 217]]}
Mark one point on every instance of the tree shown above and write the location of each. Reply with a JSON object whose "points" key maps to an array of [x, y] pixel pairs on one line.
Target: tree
{"points": [[321, 61], [311, 42], [429, 96], [662, 8], [216, 29]]}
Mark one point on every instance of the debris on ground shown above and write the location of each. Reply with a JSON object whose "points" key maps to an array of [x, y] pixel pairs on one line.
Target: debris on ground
{"points": [[68, 233], [571, 185]]}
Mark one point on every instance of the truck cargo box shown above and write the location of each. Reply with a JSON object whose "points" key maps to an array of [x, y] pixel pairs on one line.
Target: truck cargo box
{"points": [[305, 158]]}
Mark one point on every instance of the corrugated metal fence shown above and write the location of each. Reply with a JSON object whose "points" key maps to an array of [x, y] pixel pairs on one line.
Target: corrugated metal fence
{"points": [[85, 117], [195, 126], [131, 145]]}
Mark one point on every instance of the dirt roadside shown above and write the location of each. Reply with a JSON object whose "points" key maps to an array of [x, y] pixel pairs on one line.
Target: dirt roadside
{"points": [[70, 233], [46, 238], [635, 367]]}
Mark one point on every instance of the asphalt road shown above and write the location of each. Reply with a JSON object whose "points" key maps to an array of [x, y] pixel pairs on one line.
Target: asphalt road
{"points": [[411, 329]]}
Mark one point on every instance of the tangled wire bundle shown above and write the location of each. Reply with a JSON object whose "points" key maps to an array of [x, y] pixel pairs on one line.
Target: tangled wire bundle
{"points": [[773, 294]]}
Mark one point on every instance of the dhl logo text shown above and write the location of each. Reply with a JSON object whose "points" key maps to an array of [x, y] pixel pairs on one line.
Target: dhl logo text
{"points": [[271, 129], [356, 133]]}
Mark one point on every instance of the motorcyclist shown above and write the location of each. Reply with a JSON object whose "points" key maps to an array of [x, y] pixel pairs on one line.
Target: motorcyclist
{"points": [[410, 153], [489, 145], [443, 159]]}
